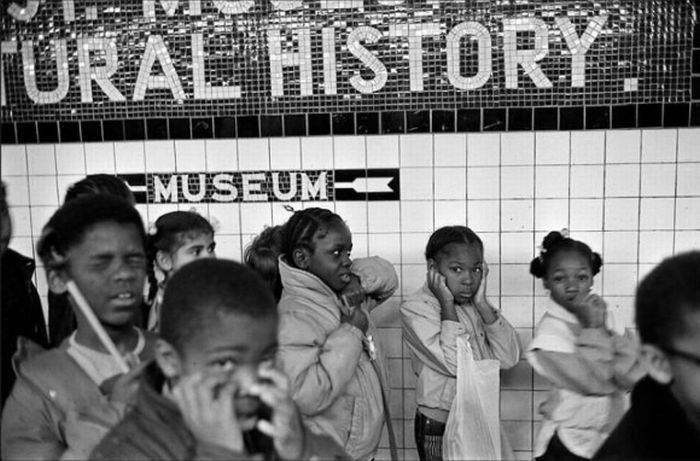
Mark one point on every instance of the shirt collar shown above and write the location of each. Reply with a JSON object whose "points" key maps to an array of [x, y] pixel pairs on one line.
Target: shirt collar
{"points": [[559, 312]]}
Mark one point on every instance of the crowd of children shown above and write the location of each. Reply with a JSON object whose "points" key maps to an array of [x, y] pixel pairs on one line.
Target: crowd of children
{"points": [[279, 358]]}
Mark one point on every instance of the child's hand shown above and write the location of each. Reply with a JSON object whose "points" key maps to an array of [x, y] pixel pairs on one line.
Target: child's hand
{"points": [[285, 428], [438, 286], [591, 310], [353, 294], [122, 387], [480, 296], [356, 318], [206, 404]]}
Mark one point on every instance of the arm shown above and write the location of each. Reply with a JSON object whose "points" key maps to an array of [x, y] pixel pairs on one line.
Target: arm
{"points": [[29, 426], [503, 341], [628, 368], [434, 342], [587, 370], [319, 368], [378, 277]]}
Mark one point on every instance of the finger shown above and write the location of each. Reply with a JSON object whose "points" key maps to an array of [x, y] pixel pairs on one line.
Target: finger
{"points": [[277, 377], [137, 370], [266, 428]]}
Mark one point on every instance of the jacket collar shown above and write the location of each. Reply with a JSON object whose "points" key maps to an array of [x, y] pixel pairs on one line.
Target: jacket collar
{"points": [[559, 312], [12, 259], [298, 282]]}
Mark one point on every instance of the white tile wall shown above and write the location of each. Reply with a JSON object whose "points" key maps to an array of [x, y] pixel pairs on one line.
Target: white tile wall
{"points": [[633, 195]]}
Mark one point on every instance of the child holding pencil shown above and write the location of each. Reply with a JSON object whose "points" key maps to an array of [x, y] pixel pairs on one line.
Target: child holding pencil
{"points": [[66, 399]]}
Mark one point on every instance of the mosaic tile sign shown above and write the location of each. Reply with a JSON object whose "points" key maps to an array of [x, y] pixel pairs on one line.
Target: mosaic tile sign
{"points": [[265, 186], [98, 59]]}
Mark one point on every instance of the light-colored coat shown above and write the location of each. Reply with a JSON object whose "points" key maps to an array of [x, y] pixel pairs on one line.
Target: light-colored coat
{"points": [[433, 346], [332, 378]]}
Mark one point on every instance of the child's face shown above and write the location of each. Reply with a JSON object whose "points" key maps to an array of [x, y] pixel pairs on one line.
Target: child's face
{"points": [[238, 342], [461, 264], [201, 246], [568, 275], [109, 268], [330, 260], [686, 372]]}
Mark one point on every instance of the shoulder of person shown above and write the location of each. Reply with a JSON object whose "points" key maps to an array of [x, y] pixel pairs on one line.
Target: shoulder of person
{"points": [[422, 302]]}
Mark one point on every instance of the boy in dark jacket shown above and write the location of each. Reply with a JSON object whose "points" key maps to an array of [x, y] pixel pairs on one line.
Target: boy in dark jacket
{"points": [[213, 392], [664, 420]]}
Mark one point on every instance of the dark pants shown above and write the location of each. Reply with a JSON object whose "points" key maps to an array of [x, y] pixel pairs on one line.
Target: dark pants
{"points": [[556, 451], [428, 433]]}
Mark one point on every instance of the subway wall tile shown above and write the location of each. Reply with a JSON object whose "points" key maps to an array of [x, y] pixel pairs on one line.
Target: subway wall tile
{"points": [[632, 195], [14, 160], [41, 159], [659, 146]]}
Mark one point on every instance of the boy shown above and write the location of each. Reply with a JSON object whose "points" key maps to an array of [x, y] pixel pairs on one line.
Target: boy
{"points": [[66, 398], [664, 420], [209, 393]]}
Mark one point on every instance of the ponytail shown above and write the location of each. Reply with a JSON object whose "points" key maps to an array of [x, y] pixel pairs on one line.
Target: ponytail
{"points": [[262, 256]]}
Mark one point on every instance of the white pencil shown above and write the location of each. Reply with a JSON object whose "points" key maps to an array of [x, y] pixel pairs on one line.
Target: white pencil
{"points": [[95, 324]]}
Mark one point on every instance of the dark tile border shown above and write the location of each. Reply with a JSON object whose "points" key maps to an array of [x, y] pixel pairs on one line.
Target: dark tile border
{"points": [[668, 115]]}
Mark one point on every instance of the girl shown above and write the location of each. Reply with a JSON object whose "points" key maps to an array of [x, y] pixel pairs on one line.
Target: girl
{"points": [[589, 365], [179, 237], [326, 335], [452, 303]]}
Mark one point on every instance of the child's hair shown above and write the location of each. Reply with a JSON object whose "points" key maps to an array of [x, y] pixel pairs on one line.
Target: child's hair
{"points": [[100, 184], [68, 225], [171, 231], [298, 232], [665, 296], [261, 256], [205, 289], [450, 234], [555, 242]]}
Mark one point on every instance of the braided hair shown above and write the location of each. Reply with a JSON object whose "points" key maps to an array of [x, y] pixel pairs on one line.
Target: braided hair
{"points": [[553, 243], [297, 233]]}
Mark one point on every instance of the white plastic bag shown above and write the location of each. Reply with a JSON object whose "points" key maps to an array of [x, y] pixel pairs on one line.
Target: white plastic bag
{"points": [[472, 430]]}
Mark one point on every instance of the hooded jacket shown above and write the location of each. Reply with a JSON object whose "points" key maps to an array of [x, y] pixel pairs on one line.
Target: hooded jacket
{"points": [[332, 378]]}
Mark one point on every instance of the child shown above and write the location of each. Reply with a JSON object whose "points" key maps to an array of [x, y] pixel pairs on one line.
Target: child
{"points": [[22, 315], [213, 378], [589, 365], [327, 346], [62, 320], [65, 399], [179, 237], [452, 303], [664, 420], [261, 256]]}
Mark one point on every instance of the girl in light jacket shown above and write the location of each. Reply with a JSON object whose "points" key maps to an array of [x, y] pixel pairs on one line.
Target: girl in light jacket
{"points": [[452, 303], [327, 339]]}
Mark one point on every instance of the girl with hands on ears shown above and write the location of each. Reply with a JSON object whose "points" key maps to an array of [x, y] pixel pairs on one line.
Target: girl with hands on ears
{"points": [[576, 348], [451, 304]]}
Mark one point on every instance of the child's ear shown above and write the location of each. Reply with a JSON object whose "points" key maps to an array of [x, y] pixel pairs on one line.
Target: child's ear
{"points": [[431, 264], [659, 366], [168, 359], [301, 258], [164, 261], [545, 284], [57, 281]]}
